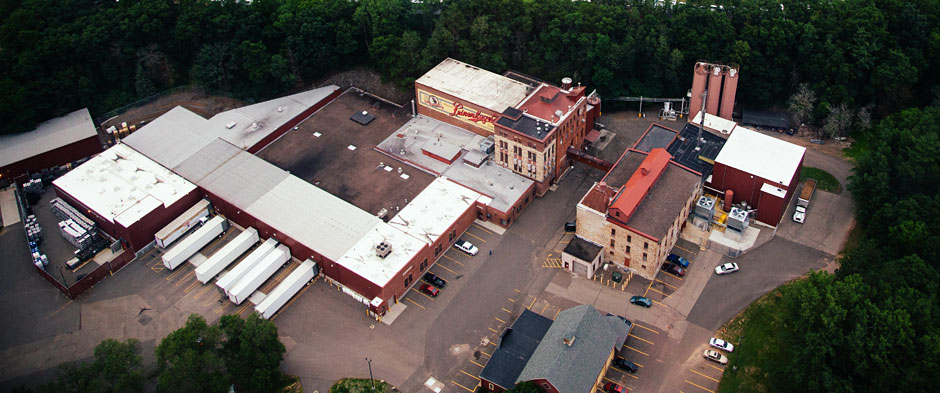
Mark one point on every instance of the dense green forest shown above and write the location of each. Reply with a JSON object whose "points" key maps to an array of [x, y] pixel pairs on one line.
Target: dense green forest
{"points": [[874, 325], [60, 55]]}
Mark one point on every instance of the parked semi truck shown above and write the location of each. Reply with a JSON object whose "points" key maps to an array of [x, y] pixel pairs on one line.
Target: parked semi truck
{"points": [[228, 280], [294, 282], [802, 202], [194, 242], [259, 274], [226, 255], [179, 226]]}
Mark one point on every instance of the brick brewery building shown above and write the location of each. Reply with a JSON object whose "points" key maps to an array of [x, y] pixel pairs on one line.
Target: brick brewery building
{"points": [[533, 123]]}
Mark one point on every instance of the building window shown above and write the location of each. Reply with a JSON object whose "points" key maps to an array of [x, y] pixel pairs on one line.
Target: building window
{"points": [[611, 242], [424, 264], [408, 280], [613, 232], [646, 245], [628, 249], [644, 257], [437, 250], [629, 239], [453, 234], [492, 387]]}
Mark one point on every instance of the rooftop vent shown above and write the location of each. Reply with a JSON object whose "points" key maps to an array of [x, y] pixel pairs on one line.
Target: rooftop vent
{"points": [[568, 339], [383, 249], [230, 125]]}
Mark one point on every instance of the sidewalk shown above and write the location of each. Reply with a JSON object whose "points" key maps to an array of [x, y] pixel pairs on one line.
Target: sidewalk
{"points": [[8, 210]]}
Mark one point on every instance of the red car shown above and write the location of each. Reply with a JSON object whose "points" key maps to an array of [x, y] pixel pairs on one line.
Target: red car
{"points": [[611, 387], [429, 290]]}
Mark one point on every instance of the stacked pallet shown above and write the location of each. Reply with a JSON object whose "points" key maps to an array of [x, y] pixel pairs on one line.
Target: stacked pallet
{"points": [[33, 230], [67, 212]]}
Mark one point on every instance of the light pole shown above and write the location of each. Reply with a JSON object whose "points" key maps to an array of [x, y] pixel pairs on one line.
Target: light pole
{"points": [[370, 373]]}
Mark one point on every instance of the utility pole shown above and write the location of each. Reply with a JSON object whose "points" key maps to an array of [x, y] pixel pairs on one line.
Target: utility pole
{"points": [[370, 373]]}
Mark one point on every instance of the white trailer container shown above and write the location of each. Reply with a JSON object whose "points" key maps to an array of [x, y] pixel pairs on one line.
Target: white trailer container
{"points": [[175, 229], [193, 243], [231, 278], [259, 274], [286, 290], [225, 256]]}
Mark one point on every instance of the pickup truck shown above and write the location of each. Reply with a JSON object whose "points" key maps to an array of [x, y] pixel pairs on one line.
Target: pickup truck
{"points": [[802, 202]]}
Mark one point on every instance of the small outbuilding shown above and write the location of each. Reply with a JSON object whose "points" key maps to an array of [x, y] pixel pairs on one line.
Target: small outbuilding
{"points": [[582, 256]]}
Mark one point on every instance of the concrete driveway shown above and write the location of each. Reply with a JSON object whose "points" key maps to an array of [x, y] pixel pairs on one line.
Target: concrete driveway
{"points": [[829, 219]]}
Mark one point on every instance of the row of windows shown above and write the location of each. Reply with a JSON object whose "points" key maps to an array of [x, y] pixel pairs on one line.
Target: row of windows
{"points": [[613, 232]]}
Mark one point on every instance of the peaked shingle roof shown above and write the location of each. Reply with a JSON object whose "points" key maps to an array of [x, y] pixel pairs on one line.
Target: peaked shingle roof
{"points": [[515, 347], [574, 368]]}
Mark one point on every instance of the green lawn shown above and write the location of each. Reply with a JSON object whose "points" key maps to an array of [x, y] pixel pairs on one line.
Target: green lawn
{"points": [[862, 143], [355, 385], [756, 347], [824, 180]]}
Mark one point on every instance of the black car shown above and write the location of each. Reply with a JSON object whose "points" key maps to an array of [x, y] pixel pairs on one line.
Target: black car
{"points": [[571, 226], [434, 280], [674, 269], [624, 364]]}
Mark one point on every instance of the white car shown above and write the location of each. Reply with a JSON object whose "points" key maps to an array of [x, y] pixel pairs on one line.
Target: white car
{"points": [[721, 344], [715, 356], [726, 268], [466, 247], [800, 214]]}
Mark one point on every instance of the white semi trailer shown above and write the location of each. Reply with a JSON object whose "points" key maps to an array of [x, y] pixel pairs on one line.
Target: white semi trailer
{"points": [[226, 255], [286, 289], [191, 244], [179, 226], [231, 278], [259, 274]]}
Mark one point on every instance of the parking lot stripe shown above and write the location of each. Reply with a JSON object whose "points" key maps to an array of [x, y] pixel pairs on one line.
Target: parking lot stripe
{"points": [[504, 309], [698, 386], [511, 300], [471, 375], [688, 251], [713, 379], [499, 320], [657, 303], [667, 284], [475, 236], [545, 308], [636, 350], [170, 277], [452, 259], [483, 352], [673, 276], [648, 289], [643, 340], [245, 307], [421, 293], [609, 380], [625, 373], [644, 327], [60, 309], [445, 268], [191, 286], [715, 367], [556, 314], [483, 229], [185, 277], [493, 330], [478, 364], [533, 302], [455, 383], [658, 291], [413, 302]]}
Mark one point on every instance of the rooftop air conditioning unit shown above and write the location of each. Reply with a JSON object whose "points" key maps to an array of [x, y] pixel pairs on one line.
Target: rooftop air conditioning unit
{"points": [[383, 249], [737, 219]]}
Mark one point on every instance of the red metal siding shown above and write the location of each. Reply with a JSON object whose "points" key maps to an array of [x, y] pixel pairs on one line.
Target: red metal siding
{"points": [[141, 233], [59, 156], [770, 208]]}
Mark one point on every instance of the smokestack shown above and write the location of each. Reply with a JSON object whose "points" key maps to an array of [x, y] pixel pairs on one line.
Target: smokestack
{"points": [[699, 77], [729, 91], [714, 90]]}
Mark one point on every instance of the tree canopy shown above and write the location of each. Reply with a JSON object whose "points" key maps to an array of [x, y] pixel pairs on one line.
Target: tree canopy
{"points": [[106, 54]]}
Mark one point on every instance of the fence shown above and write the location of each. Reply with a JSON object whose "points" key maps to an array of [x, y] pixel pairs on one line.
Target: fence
{"points": [[105, 270]]}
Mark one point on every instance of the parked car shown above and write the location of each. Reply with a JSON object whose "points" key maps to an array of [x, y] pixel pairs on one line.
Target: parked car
{"points": [[624, 364], [675, 259], [726, 268], [674, 269], [466, 247], [434, 280], [641, 301], [800, 214], [571, 226], [715, 356], [430, 290], [611, 387], [721, 344]]}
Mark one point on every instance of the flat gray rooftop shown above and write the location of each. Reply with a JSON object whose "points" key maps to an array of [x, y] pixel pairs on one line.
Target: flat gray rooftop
{"points": [[494, 181]]}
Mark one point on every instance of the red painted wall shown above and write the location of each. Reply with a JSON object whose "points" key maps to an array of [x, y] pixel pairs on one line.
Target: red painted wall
{"points": [[545, 385], [747, 187], [59, 156]]}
